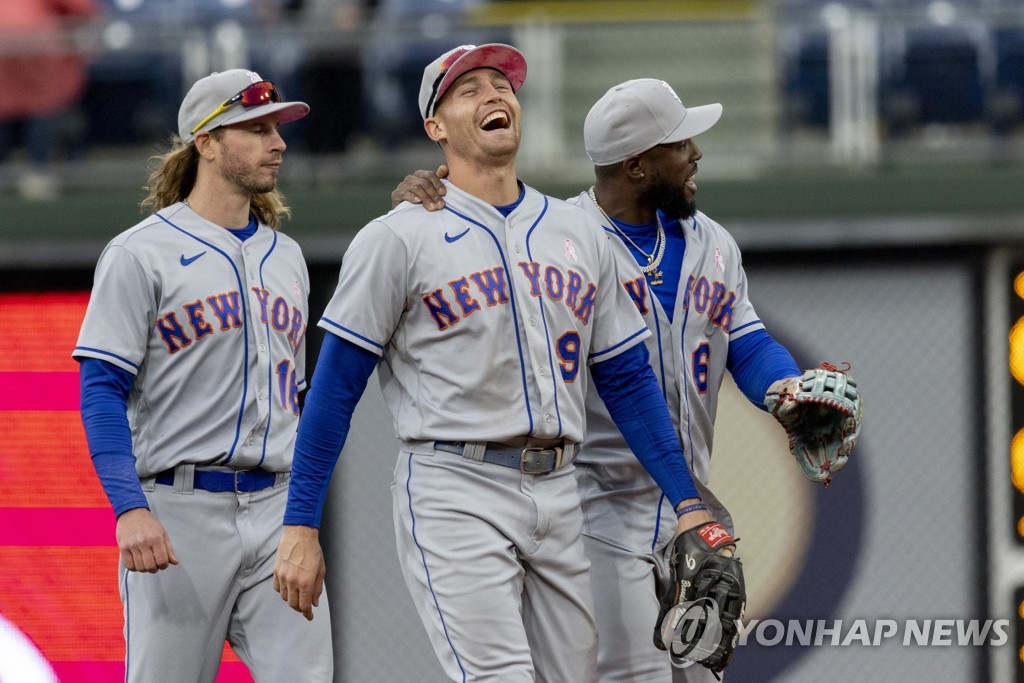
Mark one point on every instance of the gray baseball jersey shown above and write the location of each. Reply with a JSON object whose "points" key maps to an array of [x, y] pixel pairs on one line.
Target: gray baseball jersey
{"points": [[485, 325], [213, 330], [209, 326], [688, 355], [627, 521]]}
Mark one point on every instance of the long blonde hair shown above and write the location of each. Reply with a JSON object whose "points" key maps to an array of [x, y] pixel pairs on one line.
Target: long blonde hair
{"points": [[173, 176]]}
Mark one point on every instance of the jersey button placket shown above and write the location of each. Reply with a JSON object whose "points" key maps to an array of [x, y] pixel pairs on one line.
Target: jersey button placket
{"points": [[263, 360]]}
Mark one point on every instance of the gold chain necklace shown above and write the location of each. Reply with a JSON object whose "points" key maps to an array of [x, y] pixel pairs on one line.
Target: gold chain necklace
{"points": [[654, 258]]}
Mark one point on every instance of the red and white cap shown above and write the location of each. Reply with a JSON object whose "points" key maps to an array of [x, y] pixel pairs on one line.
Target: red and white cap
{"points": [[443, 71]]}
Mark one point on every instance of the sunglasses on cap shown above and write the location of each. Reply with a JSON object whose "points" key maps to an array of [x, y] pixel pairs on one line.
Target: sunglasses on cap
{"points": [[262, 92], [445, 65]]}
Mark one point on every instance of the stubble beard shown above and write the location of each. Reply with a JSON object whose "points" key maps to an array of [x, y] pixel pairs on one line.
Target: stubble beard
{"points": [[498, 154], [245, 177]]}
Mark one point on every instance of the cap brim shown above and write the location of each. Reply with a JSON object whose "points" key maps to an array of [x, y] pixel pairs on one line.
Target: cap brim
{"points": [[697, 120], [504, 58], [286, 113]]}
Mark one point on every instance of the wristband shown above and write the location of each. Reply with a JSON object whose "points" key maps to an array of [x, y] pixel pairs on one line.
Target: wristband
{"points": [[690, 508]]}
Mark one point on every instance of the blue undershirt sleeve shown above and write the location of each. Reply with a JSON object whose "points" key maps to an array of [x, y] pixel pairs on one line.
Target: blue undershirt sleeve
{"points": [[755, 361], [342, 371], [104, 398], [631, 393]]}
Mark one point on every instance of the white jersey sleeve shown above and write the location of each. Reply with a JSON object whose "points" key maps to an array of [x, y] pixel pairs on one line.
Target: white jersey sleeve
{"points": [[713, 284], [120, 334], [371, 295], [619, 329]]}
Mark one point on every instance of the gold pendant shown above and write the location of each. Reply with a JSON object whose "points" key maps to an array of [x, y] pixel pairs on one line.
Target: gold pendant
{"points": [[656, 277]]}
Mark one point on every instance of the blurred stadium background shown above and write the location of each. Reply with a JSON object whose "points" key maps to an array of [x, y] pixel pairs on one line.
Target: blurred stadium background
{"points": [[870, 163]]}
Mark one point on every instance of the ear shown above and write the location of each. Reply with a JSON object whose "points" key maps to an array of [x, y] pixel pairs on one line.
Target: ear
{"points": [[204, 145], [435, 129], [634, 168]]}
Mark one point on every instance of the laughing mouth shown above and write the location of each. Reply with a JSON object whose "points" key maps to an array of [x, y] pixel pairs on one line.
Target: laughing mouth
{"points": [[495, 121]]}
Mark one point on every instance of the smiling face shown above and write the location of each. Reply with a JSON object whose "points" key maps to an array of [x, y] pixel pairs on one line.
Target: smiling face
{"points": [[671, 172], [478, 119]]}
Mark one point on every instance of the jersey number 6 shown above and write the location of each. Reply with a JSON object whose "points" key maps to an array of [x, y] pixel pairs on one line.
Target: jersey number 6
{"points": [[701, 358]]}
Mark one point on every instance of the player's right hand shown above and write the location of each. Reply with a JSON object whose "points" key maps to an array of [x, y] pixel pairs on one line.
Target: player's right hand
{"points": [[299, 568], [143, 542], [422, 187]]}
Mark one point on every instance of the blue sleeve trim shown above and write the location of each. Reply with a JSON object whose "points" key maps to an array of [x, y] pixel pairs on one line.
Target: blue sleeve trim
{"points": [[630, 391], [743, 327], [755, 361], [104, 398], [595, 356], [353, 333], [107, 353], [342, 370]]}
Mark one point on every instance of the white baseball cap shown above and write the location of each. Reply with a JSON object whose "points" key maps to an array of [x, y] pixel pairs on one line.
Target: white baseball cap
{"points": [[635, 116], [208, 103], [443, 71]]}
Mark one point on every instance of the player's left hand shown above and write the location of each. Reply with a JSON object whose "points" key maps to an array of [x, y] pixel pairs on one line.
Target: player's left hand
{"points": [[299, 569], [702, 609], [821, 413], [422, 187]]}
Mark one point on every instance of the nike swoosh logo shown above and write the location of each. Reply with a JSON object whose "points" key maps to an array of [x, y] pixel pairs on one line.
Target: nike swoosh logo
{"points": [[188, 261], [448, 238]]}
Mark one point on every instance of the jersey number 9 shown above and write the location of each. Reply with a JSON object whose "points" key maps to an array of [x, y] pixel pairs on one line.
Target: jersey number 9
{"points": [[568, 348]]}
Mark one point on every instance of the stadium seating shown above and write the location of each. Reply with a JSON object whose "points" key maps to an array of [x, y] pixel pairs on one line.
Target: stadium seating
{"points": [[935, 64], [1007, 101]]}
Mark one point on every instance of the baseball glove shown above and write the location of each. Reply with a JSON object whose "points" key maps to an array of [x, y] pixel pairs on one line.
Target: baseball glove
{"points": [[702, 609], [821, 413]]}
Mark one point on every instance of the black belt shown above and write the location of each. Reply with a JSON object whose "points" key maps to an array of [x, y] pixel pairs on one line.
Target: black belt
{"points": [[526, 459], [215, 481]]}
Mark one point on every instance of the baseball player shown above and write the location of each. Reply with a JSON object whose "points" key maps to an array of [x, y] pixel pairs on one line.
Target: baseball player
{"points": [[482, 320], [692, 292], [192, 356]]}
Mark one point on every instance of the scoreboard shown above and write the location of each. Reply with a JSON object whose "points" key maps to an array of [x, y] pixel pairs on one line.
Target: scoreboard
{"points": [[58, 557], [1005, 491]]}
